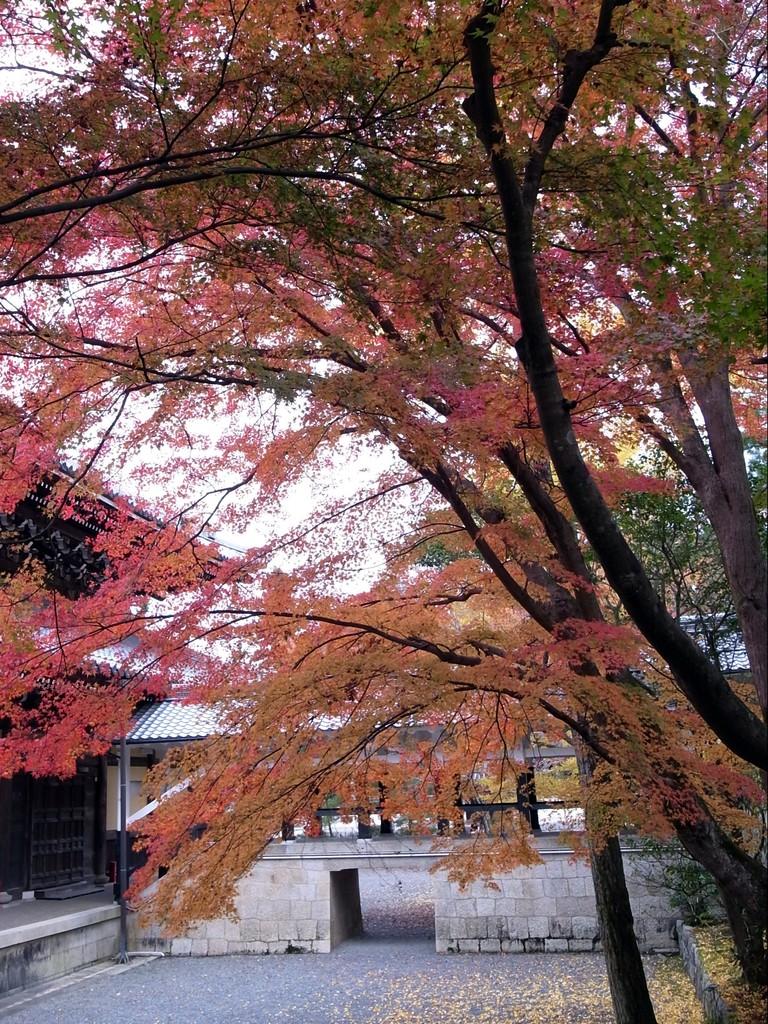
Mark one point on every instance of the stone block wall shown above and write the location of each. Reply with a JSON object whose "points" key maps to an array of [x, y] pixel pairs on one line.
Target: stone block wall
{"points": [[548, 907], [34, 953], [281, 907], [305, 897]]}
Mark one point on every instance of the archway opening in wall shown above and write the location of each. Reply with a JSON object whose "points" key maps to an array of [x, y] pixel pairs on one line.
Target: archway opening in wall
{"points": [[397, 903]]}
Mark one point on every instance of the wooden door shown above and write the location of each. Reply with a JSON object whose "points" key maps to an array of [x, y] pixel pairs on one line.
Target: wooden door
{"points": [[58, 848]]}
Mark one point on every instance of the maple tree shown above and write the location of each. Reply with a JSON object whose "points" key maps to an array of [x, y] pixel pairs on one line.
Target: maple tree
{"points": [[509, 245]]}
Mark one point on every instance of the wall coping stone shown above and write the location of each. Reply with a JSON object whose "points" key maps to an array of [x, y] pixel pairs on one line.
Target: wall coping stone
{"points": [[380, 848]]}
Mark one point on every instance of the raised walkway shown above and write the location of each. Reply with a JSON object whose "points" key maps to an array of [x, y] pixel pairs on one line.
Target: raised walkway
{"points": [[45, 939]]}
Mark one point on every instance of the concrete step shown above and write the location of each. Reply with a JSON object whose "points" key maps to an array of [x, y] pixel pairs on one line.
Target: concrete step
{"points": [[68, 892]]}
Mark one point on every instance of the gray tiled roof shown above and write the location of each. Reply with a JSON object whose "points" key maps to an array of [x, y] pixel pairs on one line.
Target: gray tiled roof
{"points": [[731, 652], [171, 721]]}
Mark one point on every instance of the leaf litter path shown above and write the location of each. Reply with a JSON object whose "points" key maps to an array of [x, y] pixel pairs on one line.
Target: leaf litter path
{"points": [[370, 981]]}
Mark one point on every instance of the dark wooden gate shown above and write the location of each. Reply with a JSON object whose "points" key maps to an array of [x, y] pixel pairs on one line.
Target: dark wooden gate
{"points": [[61, 831]]}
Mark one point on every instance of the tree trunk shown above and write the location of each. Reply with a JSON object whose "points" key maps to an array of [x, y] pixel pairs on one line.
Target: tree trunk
{"points": [[697, 677], [728, 502], [743, 885], [748, 933], [717, 472], [626, 977]]}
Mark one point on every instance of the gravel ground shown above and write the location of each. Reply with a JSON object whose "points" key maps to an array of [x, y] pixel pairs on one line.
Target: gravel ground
{"points": [[397, 903], [374, 981], [391, 976]]}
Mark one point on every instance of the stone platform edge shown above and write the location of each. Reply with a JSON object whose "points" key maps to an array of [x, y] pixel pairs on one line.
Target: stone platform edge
{"points": [[22, 934]]}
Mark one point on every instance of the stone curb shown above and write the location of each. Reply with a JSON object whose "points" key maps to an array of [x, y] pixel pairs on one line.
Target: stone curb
{"points": [[715, 1007]]}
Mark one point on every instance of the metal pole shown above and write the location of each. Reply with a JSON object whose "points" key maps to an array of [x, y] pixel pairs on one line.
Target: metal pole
{"points": [[122, 957]]}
